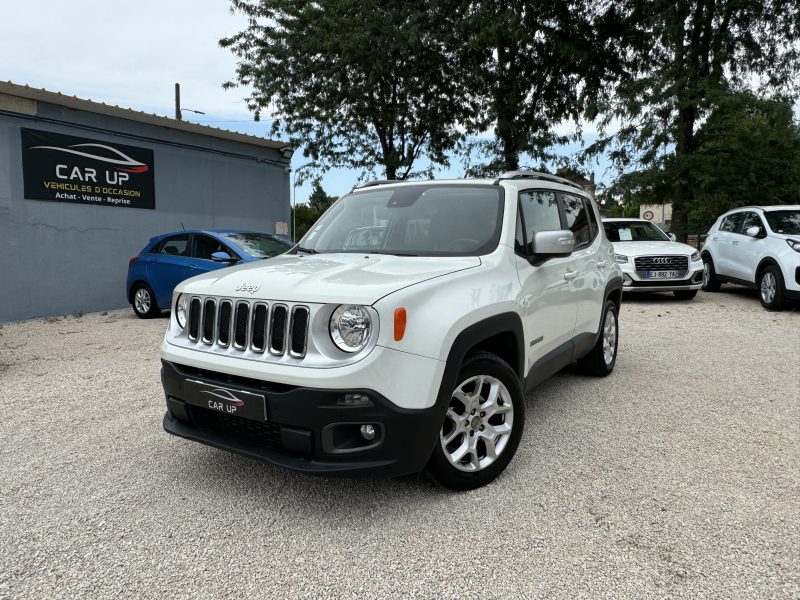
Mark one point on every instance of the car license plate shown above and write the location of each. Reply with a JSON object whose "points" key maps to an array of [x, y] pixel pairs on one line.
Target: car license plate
{"points": [[230, 401], [662, 274]]}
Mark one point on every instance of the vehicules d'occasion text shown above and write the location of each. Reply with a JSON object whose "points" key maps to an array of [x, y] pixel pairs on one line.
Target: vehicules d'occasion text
{"points": [[401, 333]]}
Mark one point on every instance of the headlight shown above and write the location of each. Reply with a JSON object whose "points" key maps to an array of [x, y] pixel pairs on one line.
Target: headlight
{"points": [[695, 256], [350, 327], [794, 245], [181, 308], [621, 258]]}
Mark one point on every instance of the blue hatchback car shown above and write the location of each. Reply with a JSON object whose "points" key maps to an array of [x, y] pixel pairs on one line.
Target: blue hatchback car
{"points": [[170, 258]]}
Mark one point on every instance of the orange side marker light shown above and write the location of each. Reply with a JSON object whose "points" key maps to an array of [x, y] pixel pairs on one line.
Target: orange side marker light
{"points": [[399, 324]]}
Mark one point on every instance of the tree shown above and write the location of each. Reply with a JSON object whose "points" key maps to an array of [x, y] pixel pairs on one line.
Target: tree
{"points": [[318, 199], [359, 84], [532, 66], [683, 57]]}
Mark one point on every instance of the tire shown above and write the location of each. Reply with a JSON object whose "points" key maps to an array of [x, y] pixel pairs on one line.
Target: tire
{"points": [[771, 290], [710, 281], [465, 427], [601, 359], [685, 294], [143, 301]]}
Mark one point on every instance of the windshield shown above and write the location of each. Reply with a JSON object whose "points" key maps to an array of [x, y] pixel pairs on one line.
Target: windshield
{"points": [[258, 245], [786, 222], [633, 231], [412, 220]]}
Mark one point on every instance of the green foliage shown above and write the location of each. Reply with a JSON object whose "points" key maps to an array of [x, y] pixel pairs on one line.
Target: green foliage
{"points": [[683, 58], [305, 215], [747, 152], [362, 84], [530, 66]]}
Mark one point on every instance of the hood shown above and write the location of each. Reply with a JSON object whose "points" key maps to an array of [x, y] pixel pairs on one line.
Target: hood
{"points": [[653, 248], [324, 278]]}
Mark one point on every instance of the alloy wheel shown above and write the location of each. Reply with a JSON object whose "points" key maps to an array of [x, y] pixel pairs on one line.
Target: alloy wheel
{"points": [[610, 337], [706, 274], [142, 301], [769, 287], [478, 423]]}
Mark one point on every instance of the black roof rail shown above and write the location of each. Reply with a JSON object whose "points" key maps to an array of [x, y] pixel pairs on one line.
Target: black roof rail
{"points": [[377, 182], [539, 175]]}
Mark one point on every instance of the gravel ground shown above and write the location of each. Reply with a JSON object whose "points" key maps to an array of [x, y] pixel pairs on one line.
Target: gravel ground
{"points": [[678, 476]]}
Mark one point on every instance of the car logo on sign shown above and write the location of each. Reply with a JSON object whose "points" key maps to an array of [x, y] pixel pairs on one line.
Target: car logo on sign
{"points": [[225, 395]]}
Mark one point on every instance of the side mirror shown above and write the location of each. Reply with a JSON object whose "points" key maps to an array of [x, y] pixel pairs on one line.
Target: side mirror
{"points": [[222, 257], [547, 244], [753, 231], [671, 237]]}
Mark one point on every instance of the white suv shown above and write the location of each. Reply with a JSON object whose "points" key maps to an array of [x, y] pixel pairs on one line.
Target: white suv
{"points": [[758, 247], [653, 262], [406, 347]]}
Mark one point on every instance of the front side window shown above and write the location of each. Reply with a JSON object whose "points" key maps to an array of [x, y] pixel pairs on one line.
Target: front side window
{"points": [[540, 212], [732, 223], [412, 220], [259, 245], [749, 220], [577, 219], [786, 222], [205, 246], [633, 231], [177, 245]]}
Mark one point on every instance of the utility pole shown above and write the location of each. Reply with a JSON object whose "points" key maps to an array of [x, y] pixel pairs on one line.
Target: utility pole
{"points": [[178, 115]]}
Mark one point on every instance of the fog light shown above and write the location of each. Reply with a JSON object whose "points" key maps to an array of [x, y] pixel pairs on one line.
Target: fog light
{"points": [[356, 399], [368, 432]]}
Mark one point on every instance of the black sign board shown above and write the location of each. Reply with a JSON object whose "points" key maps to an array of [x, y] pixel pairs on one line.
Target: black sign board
{"points": [[64, 168]]}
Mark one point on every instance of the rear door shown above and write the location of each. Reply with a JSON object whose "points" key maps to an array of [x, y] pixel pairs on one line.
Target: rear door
{"points": [[723, 241], [548, 301], [170, 263]]}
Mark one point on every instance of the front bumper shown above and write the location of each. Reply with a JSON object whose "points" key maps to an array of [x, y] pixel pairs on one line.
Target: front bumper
{"points": [[306, 427], [633, 283]]}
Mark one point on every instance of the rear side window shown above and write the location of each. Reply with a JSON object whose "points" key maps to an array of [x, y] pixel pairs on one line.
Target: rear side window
{"points": [[732, 223], [578, 220], [539, 212], [177, 245]]}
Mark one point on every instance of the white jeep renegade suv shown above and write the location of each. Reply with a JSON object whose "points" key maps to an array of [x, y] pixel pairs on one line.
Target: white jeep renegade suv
{"points": [[758, 247], [405, 347]]}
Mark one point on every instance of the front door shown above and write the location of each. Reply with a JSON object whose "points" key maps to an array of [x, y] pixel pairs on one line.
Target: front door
{"points": [[169, 263], [745, 250], [548, 301]]}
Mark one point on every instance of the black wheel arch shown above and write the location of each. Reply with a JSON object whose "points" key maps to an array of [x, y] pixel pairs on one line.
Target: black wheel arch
{"points": [[133, 287], [765, 262]]}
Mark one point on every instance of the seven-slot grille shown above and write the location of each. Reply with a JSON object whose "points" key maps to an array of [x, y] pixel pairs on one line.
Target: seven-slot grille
{"points": [[256, 326], [661, 263]]}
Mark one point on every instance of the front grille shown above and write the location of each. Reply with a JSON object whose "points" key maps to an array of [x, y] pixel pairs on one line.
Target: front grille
{"points": [[209, 316], [194, 318], [262, 432], [250, 326], [661, 263], [240, 324]]}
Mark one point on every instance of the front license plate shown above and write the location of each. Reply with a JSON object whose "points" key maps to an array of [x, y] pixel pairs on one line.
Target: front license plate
{"points": [[662, 274], [229, 401]]}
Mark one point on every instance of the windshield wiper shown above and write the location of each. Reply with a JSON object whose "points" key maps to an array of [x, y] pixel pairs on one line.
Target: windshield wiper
{"points": [[305, 250], [386, 252]]}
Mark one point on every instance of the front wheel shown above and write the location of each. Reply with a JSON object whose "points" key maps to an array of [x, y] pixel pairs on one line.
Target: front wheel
{"points": [[685, 294], [603, 356], [482, 426], [771, 290]]}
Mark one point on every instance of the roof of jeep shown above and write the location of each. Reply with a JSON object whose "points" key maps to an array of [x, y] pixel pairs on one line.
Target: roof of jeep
{"points": [[618, 219], [521, 182], [766, 208]]}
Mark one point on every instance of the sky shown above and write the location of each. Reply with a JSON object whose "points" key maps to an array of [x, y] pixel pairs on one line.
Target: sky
{"points": [[132, 54]]}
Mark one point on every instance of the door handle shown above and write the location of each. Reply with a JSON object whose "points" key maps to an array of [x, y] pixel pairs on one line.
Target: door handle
{"points": [[193, 267], [601, 263], [714, 237], [570, 275], [735, 242]]}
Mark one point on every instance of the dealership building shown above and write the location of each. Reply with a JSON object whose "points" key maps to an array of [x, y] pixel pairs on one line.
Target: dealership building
{"points": [[85, 185]]}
